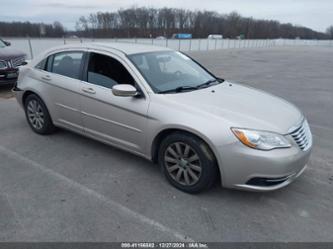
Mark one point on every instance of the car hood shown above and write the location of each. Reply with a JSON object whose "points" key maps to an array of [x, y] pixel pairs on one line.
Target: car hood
{"points": [[241, 106], [8, 53]]}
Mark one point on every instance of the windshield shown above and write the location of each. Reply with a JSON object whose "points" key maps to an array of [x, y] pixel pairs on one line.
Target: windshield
{"points": [[170, 70], [2, 44]]}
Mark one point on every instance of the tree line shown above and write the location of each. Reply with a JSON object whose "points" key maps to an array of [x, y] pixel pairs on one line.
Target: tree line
{"points": [[22, 29], [151, 22]]}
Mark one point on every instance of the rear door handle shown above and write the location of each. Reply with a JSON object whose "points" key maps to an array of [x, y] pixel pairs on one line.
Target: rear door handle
{"points": [[89, 90], [46, 77]]}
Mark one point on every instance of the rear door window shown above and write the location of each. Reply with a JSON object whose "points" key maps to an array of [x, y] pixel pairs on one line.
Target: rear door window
{"points": [[67, 64]]}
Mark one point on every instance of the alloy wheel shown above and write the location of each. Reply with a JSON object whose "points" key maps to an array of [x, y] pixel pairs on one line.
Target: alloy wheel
{"points": [[35, 114], [182, 163]]}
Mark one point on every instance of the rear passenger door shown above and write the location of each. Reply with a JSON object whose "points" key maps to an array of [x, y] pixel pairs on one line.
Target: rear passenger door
{"points": [[64, 70]]}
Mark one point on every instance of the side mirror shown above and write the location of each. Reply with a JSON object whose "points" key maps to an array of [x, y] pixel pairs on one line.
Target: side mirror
{"points": [[7, 43], [124, 90]]}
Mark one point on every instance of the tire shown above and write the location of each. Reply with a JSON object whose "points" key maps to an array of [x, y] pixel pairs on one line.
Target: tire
{"points": [[182, 154], [37, 115]]}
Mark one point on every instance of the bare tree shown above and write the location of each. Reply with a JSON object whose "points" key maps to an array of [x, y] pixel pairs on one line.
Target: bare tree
{"points": [[329, 31]]}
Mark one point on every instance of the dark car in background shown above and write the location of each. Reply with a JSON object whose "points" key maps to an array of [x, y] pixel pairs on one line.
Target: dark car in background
{"points": [[10, 59]]}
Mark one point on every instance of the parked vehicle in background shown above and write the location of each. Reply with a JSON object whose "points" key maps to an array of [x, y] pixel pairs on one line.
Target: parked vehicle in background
{"points": [[215, 36], [162, 105], [160, 38], [182, 36], [10, 60], [240, 37]]}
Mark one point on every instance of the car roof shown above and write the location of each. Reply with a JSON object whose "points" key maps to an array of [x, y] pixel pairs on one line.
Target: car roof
{"points": [[131, 48], [126, 48]]}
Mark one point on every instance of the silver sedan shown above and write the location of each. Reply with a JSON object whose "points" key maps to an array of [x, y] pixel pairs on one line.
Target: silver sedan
{"points": [[162, 105]]}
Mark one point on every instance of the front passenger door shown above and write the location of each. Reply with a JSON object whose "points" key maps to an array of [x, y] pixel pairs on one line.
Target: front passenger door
{"points": [[120, 121]]}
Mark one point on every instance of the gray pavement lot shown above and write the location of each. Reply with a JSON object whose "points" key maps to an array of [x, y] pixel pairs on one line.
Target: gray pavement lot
{"points": [[65, 187]]}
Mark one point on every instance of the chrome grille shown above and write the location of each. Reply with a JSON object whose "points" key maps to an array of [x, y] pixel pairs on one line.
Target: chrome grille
{"points": [[302, 136], [17, 61]]}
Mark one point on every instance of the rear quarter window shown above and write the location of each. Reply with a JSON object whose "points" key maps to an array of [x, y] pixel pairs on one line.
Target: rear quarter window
{"points": [[42, 64]]}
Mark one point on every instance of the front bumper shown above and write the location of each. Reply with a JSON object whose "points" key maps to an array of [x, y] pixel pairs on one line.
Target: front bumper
{"points": [[257, 170], [8, 76]]}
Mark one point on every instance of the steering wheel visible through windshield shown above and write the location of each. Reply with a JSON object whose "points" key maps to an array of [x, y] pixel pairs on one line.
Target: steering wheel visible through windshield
{"points": [[168, 71]]}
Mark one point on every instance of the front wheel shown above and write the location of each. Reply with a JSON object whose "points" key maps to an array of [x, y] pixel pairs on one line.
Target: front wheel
{"points": [[37, 115], [187, 162]]}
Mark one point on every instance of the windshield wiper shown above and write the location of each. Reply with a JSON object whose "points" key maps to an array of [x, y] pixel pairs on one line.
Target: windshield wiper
{"points": [[209, 82], [180, 89], [191, 88]]}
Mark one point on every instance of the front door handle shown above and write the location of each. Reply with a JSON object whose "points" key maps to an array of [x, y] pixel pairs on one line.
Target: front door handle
{"points": [[89, 90]]}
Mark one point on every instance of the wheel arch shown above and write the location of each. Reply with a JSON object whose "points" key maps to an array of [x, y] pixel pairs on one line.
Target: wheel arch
{"points": [[167, 131], [27, 93], [30, 92]]}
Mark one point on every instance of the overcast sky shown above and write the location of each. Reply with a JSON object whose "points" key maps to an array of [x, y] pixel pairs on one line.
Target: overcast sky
{"points": [[317, 15]]}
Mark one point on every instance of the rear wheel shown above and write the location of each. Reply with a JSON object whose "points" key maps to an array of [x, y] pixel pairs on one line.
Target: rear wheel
{"points": [[187, 162], [37, 115]]}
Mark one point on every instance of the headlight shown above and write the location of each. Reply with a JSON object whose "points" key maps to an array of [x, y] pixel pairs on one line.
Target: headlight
{"points": [[3, 65], [261, 140]]}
